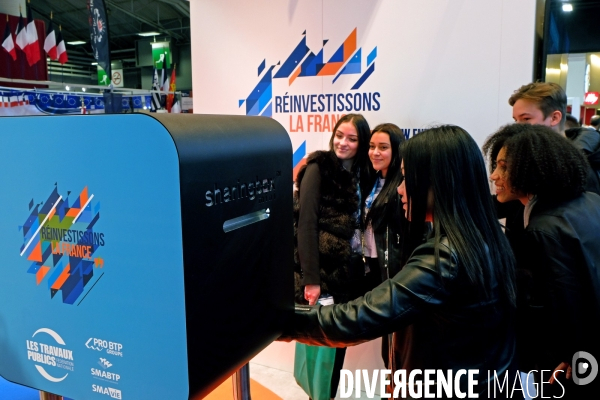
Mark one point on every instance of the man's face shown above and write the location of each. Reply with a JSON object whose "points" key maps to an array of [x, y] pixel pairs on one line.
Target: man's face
{"points": [[528, 112]]}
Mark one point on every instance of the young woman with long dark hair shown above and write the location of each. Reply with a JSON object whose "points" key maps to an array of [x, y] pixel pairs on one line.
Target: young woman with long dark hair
{"points": [[327, 221], [453, 301], [384, 222], [383, 217]]}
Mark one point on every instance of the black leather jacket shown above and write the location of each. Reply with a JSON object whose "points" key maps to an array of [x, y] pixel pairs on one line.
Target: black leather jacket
{"points": [[440, 319], [388, 237]]}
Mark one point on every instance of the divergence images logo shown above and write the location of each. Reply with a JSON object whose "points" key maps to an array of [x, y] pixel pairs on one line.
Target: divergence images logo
{"points": [[60, 241], [49, 356], [585, 368], [301, 63]]}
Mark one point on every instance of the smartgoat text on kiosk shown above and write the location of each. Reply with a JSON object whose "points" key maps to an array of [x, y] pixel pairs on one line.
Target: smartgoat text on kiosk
{"points": [[142, 257]]}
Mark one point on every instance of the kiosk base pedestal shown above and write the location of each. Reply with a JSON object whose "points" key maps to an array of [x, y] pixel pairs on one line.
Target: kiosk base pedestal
{"points": [[49, 396], [241, 383]]}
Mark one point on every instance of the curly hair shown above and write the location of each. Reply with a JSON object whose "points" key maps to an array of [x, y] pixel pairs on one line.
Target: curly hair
{"points": [[539, 161]]}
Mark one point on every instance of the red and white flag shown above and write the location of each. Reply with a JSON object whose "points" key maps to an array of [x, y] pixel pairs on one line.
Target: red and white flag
{"points": [[61, 50], [33, 46], [176, 108], [21, 33], [50, 42], [170, 96], [8, 43]]}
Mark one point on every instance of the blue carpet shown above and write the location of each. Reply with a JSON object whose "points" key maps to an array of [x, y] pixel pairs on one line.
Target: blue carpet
{"points": [[12, 391]]}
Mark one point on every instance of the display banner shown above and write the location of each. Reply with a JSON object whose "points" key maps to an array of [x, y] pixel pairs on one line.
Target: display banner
{"points": [[410, 62], [35, 102], [99, 34], [414, 63], [93, 301]]}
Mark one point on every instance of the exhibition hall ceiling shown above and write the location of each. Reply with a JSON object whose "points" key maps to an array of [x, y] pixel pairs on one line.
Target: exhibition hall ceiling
{"points": [[126, 20]]}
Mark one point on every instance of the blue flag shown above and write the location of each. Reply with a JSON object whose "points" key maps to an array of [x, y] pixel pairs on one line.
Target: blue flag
{"points": [[99, 34]]}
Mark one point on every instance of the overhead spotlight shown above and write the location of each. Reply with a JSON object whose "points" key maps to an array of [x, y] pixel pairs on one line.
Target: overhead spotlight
{"points": [[148, 33], [68, 87], [567, 7], [83, 89]]}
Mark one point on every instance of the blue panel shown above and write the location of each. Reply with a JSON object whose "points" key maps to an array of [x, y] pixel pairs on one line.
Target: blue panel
{"points": [[252, 108], [338, 56], [363, 78], [266, 97], [352, 67], [53, 274], [372, 55], [312, 65], [299, 154], [293, 60], [268, 111], [33, 268], [261, 67], [134, 298]]}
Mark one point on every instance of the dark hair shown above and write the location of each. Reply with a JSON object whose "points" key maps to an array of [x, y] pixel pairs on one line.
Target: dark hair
{"points": [[447, 161], [539, 161], [571, 122], [595, 121], [363, 132], [548, 96], [379, 213]]}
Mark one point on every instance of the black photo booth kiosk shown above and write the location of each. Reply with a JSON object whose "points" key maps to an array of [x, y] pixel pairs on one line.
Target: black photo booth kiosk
{"points": [[148, 257]]}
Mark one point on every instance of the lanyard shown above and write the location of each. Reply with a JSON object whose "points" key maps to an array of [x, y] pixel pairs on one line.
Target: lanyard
{"points": [[371, 197]]}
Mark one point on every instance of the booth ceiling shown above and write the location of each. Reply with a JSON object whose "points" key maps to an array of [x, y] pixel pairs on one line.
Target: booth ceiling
{"points": [[126, 19]]}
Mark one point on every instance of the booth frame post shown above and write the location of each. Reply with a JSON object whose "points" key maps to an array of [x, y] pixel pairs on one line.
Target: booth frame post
{"points": [[241, 383]]}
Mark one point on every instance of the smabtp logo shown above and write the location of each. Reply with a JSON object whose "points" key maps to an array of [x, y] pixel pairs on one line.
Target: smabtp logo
{"points": [[585, 368]]}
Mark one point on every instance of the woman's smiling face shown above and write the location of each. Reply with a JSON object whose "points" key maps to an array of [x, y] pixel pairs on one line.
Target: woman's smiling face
{"points": [[504, 190]]}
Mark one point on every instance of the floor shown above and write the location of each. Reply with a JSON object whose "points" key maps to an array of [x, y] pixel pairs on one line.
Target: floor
{"points": [[283, 384], [267, 384]]}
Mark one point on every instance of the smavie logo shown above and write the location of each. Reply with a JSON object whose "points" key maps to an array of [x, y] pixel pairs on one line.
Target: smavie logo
{"points": [[61, 242]]}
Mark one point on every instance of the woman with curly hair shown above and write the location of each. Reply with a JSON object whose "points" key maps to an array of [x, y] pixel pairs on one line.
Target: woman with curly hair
{"points": [[559, 275]]}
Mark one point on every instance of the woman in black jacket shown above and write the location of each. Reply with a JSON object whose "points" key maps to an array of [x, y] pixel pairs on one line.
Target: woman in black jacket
{"points": [[327, 221], [383, 218], [453, 301], [559, 271]]}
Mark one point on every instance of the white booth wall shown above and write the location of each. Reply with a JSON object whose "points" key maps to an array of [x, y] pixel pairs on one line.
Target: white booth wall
{"points": [[437, 62]]}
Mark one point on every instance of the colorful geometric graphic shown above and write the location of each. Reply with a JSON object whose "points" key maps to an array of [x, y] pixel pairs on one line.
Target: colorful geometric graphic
{"points": [[302, 63], [299, 159], [60, 240]]}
